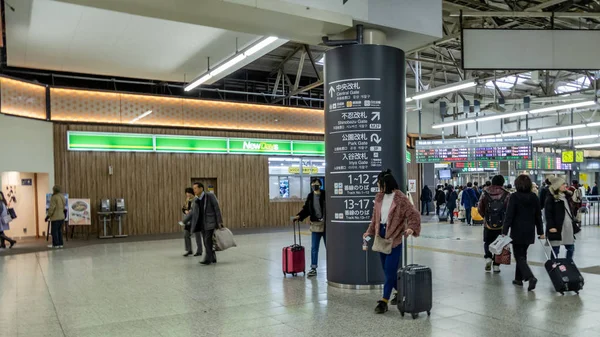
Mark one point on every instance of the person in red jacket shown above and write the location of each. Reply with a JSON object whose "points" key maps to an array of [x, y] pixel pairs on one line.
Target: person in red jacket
{"points": [[393, 217]]}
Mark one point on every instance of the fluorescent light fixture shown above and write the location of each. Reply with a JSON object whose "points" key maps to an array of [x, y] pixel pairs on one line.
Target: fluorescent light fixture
{"points": [[542, 141], [140, 116], [487, 137], [460, 122], [442, 90], [561, 128], [593, 124], [516, 133], [565, 139], [501, 116], [562, 107], [198, 82], [260, 45], [227, 65], [409, 100], [237, 59], [581, 146]]}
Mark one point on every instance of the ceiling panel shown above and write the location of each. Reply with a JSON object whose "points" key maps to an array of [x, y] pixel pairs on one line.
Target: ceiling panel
{"points": [[59, 36]]}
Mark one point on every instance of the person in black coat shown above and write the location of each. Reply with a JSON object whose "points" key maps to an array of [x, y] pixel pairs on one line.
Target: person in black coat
{"points": [[544, 193], [426, 197], [440, 199], [523, 218], [451, 202], [314, 209]]}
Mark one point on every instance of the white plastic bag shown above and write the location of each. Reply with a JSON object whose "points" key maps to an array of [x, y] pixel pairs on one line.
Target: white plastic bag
{"points": [[498, 245]]}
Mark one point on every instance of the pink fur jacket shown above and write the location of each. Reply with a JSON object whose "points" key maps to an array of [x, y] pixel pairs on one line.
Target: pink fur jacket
{"points": [[402, 215]]}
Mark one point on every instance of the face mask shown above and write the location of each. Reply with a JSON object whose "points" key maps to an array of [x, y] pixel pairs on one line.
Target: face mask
{"points": [[316, 187]]}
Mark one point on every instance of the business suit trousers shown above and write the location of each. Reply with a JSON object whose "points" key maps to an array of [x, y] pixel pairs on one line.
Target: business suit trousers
{"points": [[208, 245], [187, 238]]}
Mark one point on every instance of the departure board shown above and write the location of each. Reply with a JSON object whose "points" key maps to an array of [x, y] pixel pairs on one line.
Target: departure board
{"points": [[438, 151], [469, 150], [525, 165], [477, 166]]}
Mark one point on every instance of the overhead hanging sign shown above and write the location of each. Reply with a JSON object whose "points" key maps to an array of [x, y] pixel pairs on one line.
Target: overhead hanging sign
{"points": [[469, 150], [568, 156]]}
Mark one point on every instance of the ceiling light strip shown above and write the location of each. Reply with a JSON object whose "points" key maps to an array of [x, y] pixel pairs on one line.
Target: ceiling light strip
{"points": [[518, 113], [442, 90], [231, 62], [145, 114]]}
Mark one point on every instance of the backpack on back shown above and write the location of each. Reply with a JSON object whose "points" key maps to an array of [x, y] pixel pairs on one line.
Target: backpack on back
{"points": [[577, 196], [496, 212]]}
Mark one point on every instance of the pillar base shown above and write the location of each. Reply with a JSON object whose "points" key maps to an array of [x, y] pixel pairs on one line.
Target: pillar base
{"points": [[355, 286]]}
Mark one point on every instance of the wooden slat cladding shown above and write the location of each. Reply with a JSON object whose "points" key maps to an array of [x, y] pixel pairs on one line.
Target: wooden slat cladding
{"points": [[152, 184]]}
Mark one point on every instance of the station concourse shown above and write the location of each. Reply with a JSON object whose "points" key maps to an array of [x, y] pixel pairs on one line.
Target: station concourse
{"points": [[212, 168]]}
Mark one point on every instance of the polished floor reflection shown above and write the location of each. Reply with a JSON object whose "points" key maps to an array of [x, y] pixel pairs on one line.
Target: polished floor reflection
{"points": [[148, 289]]}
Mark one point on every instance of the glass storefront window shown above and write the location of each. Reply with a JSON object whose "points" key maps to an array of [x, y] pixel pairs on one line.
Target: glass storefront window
{"points": [[289, 177]]}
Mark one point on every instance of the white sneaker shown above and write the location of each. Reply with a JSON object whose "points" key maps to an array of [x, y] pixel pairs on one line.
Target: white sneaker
{"points": [[50, 246], [61, 247], [496, 269], [488, 264]]}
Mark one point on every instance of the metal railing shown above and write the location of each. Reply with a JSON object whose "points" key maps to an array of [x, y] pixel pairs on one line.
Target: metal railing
{"points": [[589, 213]]}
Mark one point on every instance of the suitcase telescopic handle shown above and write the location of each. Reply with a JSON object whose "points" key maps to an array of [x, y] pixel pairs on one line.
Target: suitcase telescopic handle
{"points": [[551, 249], [294, 221], [405, 253]]}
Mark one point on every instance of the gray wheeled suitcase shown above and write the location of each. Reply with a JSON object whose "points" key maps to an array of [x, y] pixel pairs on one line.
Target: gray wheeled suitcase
{"points": [[415, 293]]}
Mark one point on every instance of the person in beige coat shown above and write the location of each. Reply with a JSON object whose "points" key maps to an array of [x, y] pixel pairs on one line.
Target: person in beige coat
{"points": [[56, 216]]}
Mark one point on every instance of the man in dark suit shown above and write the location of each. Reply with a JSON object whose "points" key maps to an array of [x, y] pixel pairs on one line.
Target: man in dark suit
{"points": [[205, 216]]}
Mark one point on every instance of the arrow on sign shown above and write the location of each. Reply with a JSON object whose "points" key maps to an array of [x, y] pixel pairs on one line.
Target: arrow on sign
{"points": [[331, 91], [376, 115], [375, 138]]}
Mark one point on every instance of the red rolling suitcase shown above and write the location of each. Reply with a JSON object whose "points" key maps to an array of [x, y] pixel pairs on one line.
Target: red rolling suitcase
{"points": [[293, 258]]}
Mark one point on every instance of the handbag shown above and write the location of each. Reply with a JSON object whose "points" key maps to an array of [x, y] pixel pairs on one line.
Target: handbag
{"points": [[498, 245], [224, 239], [504, 257], [12, 213], [317, 227], [575, 222], [382, 245]]}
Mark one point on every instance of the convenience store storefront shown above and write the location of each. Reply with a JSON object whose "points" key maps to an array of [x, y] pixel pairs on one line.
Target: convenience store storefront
{"points": [[260, 182]]}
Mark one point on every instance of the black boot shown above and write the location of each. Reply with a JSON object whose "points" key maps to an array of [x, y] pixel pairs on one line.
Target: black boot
{"points": [[381, 307]]}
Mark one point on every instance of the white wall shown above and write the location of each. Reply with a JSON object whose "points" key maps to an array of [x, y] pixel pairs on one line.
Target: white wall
{"points": [[28, 147]]}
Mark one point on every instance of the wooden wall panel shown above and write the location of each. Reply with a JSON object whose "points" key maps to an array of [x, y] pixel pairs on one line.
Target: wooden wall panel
{"points": [[153, 183]]}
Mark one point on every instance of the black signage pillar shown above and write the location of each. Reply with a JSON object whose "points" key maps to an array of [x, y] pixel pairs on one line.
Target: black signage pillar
{"points": [[365, 132]]}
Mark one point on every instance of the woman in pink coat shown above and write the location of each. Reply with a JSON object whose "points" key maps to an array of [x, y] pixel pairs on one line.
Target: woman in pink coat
{"points": [[393, 218]]}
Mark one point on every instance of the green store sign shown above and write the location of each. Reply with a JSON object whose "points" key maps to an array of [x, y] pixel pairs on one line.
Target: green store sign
{"points": [[95, 141], [125, 142]]}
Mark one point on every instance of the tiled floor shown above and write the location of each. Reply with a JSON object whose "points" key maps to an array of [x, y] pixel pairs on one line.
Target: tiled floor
{"points": [[148, 289]]}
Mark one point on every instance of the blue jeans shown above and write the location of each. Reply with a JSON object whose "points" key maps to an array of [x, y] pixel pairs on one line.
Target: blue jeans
{"points": [[424, 206], [468, 214], [56, 231], [390, 263], [314, 250], [570, 251]]}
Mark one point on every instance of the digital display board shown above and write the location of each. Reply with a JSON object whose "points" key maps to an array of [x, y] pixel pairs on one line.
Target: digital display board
{"points": [[469, 150], [525, 165], [477, 166]]}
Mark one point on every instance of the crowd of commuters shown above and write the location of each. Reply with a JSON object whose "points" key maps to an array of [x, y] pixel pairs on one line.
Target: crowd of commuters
{"points": [[519, 211]]}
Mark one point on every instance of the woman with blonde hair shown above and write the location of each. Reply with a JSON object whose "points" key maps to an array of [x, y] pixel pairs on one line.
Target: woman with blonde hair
{"points": [[561, 225]]}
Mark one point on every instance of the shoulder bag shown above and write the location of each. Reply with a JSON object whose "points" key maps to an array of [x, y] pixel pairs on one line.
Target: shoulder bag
{"points": [[317, 226], [382, 245]]}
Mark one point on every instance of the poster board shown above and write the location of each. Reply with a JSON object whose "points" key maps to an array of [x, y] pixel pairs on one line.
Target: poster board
{"points": [[49, 195], [412, 185], [80, 211]]}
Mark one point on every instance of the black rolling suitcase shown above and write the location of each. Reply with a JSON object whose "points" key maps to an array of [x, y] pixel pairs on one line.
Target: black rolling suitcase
{"points": [[564, 274], [415, 293]]}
